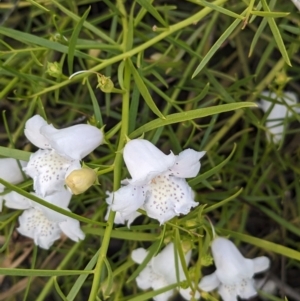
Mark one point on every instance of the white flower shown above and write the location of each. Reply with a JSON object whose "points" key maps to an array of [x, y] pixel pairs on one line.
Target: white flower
{"points": [[120, 218], [42, 224], [187, 294], [10, 172], [60, 153], [233, 276], [157, 185], [278, 113], [160, 271]]}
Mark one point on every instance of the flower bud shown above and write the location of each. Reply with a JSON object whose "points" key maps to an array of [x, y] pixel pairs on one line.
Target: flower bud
{"points": [[105, 83], [206, 260], [54, 69], [186, 246], [78, 181]]}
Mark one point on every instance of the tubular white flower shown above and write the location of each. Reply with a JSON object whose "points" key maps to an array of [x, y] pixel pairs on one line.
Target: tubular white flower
{"points": [[74, 142], [145, 161], [49, 170], [60, 153], [278, 113], [157, 183], [42, 224], [160, 271], [233, 276], [10, 172]]}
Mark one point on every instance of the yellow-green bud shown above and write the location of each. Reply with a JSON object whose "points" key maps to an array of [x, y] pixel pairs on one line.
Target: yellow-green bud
{"points": [[186, 246], [105, 83], [54, 69], [80, 180], [206, 260], [282, 79]]}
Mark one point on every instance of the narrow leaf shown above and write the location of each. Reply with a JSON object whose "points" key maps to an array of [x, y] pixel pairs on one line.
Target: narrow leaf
{"points": [[212, 171], [144, 91], [14, 153], [193, 114], [276, 34], [264, 244], [146, 4], [73, 40], [216, 46], [41, 273]]}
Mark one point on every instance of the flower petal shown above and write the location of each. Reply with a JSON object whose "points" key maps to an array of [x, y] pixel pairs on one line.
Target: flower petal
{"points": [[158, 283], [71, 228], [275, 122], [74, 142], [33, 134], [119, 217], [145, 161], [187, 164], [139, 255], [164, 264], [10, 171], [35, 225], [230, 263], [168, 197], [145, 279], [48, 170], [246, 289], [128, 199], [209, 282], [261, 264], [60, 198], [15, 200], [228, 293]]}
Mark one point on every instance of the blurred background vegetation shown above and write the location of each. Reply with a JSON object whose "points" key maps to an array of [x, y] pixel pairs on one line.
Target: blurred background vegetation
{"points": [[189, 55]]}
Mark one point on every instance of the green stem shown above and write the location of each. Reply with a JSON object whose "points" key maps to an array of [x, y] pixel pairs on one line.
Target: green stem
{"points": [[117, 171]]}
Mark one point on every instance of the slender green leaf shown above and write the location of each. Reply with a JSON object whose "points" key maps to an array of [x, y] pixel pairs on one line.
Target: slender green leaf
{"points": [[219, 9], [264, 244], [81, 279], [58, 290], [41, 273], [73, 40], [97, 111], [276, 34], [86, 24], [222, 203], [146, 4], [14, 153], [212, 171], [144, 91], [33, 39], [216, 46], [125, 235], [280, 220], [47, 204], [193, 114], [269, 14]]}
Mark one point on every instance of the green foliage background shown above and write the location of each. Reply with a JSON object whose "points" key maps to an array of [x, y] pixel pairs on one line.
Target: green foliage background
{"points": [[186, 74]]}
